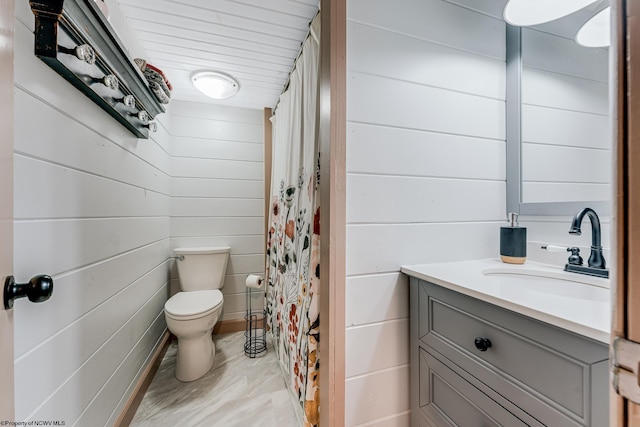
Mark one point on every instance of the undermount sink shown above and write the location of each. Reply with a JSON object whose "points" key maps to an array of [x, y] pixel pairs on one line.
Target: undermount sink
{"points": [[549, 276]]}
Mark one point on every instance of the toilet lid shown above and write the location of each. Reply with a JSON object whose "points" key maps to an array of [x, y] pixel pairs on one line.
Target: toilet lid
{"points": [[193, 302]]}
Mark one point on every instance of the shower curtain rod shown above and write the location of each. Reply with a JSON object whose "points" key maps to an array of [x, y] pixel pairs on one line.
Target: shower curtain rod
{"points": [[295, 62]]}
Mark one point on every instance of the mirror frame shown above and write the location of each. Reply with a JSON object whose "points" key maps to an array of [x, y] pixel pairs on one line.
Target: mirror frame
{"points": [[513, 110]]}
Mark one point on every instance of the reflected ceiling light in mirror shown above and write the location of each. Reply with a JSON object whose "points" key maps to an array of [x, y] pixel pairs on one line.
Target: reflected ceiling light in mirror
{"points": [[215, 84], [596, 32], [523, 13]]}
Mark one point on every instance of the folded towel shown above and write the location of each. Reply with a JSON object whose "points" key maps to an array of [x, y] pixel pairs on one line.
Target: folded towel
{"points": [[158, 82], [159, 92], [153, 76], [157, 70], [141, 63]]}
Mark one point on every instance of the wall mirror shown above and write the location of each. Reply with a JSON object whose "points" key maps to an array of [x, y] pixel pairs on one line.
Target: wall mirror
{"points": [[559, 132]]}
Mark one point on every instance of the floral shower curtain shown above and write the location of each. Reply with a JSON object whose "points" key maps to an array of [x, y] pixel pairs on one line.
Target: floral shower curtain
{"points": [[293, 244]]}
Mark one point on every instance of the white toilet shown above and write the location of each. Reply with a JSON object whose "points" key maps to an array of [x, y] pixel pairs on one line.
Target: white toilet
{"points": [[192, 313]]}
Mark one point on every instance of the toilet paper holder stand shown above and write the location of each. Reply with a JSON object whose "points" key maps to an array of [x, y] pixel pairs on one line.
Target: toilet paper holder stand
{"points": [[255, 335]]}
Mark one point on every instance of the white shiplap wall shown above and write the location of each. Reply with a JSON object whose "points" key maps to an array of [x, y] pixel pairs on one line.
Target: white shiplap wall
{"points": [[425, 174], [92, 209], [217, 189]]}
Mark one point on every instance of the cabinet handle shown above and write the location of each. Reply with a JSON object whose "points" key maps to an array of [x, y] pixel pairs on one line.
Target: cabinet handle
{"points": [[482, 344]]}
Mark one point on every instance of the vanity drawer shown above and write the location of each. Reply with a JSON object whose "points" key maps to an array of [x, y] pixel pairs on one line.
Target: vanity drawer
{"points": [[546, 370], [451, 400]]}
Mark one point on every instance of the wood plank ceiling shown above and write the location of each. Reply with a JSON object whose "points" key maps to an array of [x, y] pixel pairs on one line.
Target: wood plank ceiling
{"points": [[255, 41]]}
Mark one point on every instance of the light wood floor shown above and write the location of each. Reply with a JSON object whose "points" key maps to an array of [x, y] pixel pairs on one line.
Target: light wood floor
{"points": [[237, 391]]}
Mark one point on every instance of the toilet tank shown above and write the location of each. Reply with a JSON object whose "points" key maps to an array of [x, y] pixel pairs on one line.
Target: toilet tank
{"points": [[201, 269]]}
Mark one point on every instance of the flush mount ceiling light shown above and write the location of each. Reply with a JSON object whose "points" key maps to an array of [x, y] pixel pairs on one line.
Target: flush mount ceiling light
{"points": [[215, 84], [596, 32], [533, 12]]}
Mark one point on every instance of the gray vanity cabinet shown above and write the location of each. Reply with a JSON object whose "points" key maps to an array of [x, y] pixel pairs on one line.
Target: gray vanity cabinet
{"points": [[477, 364]]}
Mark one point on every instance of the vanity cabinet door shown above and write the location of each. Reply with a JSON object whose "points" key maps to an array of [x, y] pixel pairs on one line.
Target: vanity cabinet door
{"points": [[544, 372], [451, 400], [556, 377]]}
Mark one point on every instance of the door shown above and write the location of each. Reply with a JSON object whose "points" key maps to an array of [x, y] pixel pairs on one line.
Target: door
{"points": [[6, 204], [626, 313]]}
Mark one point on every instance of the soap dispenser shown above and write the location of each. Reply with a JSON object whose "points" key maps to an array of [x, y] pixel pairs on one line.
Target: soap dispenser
{"points": [[513, 242]]}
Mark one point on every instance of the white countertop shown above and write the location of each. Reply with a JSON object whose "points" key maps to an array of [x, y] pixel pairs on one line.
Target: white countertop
{"points": [[571, 301]]}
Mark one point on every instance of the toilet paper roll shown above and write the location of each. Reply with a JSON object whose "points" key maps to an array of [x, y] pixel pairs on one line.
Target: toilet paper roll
{"points": [[254, 281]]}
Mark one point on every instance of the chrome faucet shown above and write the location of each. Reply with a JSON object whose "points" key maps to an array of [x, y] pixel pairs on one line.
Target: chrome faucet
{"points": [[597, 265]]}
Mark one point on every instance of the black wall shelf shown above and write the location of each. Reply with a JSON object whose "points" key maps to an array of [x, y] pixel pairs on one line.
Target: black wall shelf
{"points": [[75, 39]]}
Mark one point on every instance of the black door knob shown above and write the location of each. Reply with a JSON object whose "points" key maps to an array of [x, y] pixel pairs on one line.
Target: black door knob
{"points": [[482, 344], [38, 289]]}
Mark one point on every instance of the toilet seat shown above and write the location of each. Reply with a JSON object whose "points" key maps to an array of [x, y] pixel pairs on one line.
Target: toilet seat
{"points": [[193, 304]]}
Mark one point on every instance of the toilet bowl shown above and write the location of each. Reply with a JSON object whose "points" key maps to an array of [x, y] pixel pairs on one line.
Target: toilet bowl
{"points": [[192, 313], [191, 317]]}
